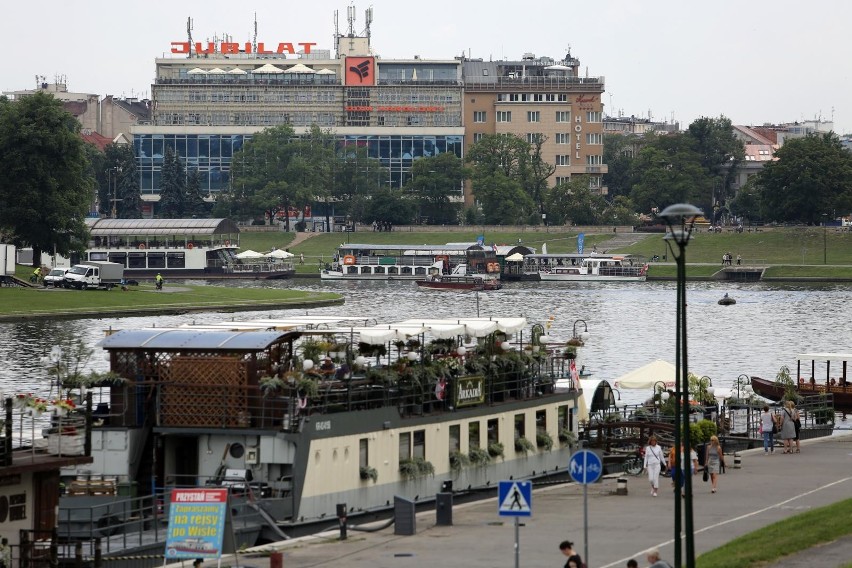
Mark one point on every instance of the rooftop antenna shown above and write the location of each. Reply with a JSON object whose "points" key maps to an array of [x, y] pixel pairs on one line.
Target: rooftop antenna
{"points": [[254, 37], [189, 28], [336, 33], [368, 15], [350, 17]]}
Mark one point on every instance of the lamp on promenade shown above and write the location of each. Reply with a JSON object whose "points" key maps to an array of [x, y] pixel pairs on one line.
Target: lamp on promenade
{"points": [[680, 220], [661, 394], [744, 383], [585, 333]]}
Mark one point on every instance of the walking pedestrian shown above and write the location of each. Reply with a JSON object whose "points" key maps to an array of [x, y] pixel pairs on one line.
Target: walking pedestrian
{"points": [[739, 260], [713, 461], [788, 426], [567, 548], [767, 429], [655, 562], [653, 463], [301, 258], [797, 422]]}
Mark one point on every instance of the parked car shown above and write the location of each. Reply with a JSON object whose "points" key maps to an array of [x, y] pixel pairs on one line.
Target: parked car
{"points": [[55, 278]]}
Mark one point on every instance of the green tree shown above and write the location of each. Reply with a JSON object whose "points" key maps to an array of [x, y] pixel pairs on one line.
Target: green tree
{"points": [[720, 153], [196, 207], [746, 204], [172, 186], [668, 170], [618, 156], [45, 185], [535, 171], [434, 182], [276, 171], [620, 211], [501, 172], [503, 200], [356, 176], [119, 179], [574, 202], [811, 177], [388, 205]]}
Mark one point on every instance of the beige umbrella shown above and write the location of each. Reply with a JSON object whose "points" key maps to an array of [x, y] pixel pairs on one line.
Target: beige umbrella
{"points": [[196, 71], [236, 71], [268, 69], [216, 71], [299, 68]]}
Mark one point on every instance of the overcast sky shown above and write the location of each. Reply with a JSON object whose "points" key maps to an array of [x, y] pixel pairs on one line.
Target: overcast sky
{"points": [[754, 62]]}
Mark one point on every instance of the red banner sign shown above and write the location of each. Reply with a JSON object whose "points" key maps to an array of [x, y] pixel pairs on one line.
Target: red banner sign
{"points": [[226, 47]]}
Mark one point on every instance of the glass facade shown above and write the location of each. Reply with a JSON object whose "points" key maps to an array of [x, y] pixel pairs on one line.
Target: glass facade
{"points": [[211, 155]]}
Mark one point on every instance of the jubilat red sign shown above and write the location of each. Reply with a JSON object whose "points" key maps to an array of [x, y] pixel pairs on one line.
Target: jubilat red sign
{"points": [[226, 47]]}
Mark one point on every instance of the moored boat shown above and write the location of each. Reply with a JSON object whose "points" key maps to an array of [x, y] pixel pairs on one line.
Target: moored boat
{"points": [[458, 280], [809, 381], [361, 431], [588, 267], [408, 262]]}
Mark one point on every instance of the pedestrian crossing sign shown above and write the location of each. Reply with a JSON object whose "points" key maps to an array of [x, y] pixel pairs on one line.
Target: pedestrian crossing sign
{"points": [[514, 499]]}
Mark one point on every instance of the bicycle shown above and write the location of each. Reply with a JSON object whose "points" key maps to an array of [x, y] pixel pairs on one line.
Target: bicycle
{"points": [[633, 465]]}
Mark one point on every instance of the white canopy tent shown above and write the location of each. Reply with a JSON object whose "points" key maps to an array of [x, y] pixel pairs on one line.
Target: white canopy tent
{"points": [[217, 71], [646, 376], [196, 71], [267, 69], [299, 68], [247, 254], [278, 253], [236, 71], [517, 257]]}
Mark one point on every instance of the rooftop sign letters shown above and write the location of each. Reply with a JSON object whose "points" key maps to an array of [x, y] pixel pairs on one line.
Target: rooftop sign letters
{"points": [[225, 47]]}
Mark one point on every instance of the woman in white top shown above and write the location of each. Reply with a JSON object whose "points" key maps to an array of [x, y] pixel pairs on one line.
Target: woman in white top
{"points": [[767, 421], [653, 463]]}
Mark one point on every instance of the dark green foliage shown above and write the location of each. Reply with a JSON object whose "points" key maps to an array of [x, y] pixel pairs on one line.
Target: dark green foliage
{"points": [[46, 185], [172, 187]]}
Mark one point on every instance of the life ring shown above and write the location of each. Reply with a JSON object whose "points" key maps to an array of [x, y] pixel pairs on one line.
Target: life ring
{"points": [[348, 260], [141, 246], [227, 243], [189, 246]]}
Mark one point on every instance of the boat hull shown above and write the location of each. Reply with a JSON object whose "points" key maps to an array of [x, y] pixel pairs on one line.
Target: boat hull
{"points": [[773, 391], [551, 277]]}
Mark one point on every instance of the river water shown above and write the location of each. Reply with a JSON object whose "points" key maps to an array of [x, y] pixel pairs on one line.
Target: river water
{"points": [[630, 324]]}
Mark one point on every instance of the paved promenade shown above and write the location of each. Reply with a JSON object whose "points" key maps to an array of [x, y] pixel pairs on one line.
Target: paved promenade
{"points": [[766, 489]]}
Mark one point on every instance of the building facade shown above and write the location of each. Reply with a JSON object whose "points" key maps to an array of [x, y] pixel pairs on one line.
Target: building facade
{"points": [[209, 98], [540, 99]]}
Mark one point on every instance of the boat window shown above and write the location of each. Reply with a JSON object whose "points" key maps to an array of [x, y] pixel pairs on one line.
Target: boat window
{"points": [[136, 260], [455, 438], [540, 421], [473, 435], [404, 446], [363, 454], [493, 431], [176, 260], [419, 449], [379, 270], [520, 426], [564, 417], [156, 260]]}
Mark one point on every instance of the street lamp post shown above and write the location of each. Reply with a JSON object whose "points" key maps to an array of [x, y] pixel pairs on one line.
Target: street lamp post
{"points": [[824, 237], [680, 219], [661, 394], [743, 381], [585, 332]]}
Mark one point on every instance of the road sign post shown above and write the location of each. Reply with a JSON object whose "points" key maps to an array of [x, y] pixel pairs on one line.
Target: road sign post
{"points": [[514, 499], [585, 467]]}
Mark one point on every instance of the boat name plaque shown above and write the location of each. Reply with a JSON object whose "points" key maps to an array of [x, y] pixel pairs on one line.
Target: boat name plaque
{"points": [[470, 391]]}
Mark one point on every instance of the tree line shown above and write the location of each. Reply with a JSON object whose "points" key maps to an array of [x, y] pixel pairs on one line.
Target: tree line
{"points": [[50, 180]]}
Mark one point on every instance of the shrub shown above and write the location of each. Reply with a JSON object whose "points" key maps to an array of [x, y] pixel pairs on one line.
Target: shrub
{"points": [[368, 472], [544, 440], [495, 450], [478, 456], [458, 460], [523, 444], [567, 437], [415, 467]]}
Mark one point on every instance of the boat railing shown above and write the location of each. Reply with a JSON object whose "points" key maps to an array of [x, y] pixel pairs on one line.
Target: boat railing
{"points": [[116, 523], [412, 391]]}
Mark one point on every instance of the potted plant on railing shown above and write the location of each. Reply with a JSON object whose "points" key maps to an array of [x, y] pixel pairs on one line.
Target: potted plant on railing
{"points": [[567, 437], [413, 468], [478, 457], [366, 472], [523, 444], [495, 450], [544, 440], [458, 460], [62, 406], [570, 352]]}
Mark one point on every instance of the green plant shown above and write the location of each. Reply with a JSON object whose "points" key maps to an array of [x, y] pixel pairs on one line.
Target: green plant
{"points": [[523, 444], [567, 437], [368, 472], [575, 342], [823, 415], [270, 385], [784, 379], [413, 468], [570, 352], [458, 460], [543, 439], [307, 387], [312, 349], [496, 450], [701, 431], [478, 456]]}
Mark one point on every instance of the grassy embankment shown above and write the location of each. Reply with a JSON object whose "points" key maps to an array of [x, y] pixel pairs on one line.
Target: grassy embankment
{"points": [[790, 536], [26, 302], [790, 252]]}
